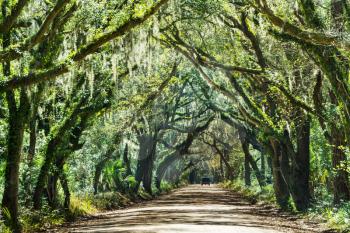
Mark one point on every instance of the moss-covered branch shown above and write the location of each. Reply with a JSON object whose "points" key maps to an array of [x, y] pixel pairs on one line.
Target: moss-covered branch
{"points": [[79, 55]]}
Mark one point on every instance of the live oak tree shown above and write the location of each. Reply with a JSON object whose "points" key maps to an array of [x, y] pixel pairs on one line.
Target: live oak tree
{"points": [[124, 96]]}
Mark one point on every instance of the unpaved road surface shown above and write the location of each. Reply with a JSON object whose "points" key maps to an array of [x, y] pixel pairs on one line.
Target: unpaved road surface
{"points": [[195, 209]]}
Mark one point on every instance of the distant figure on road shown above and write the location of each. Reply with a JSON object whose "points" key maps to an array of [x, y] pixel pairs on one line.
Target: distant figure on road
{"points": [[205, 180]]}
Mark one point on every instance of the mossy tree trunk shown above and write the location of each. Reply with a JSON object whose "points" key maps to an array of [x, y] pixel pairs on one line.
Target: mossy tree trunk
{"points": [[146, 156], [279, 182], [13, 158], [247, 172], [16, 127], [50, 152], [126, 160], [301, 166], [341, 187], [249, 163], [336, 137]]}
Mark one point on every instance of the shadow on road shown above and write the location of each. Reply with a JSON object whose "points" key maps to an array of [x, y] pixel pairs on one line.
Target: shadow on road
{"points": [[196, 209]]}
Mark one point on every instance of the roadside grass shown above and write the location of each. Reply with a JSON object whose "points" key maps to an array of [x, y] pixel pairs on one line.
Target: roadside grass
{"points": [[81, 206], [253, 193], [110, 201], [337, 218], [168, 187]]}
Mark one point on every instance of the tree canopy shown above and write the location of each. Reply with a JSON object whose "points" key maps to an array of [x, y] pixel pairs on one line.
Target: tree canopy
{"points": [[130, 96]]}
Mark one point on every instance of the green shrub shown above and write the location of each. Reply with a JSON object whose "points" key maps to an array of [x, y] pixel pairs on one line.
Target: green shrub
{"points": [[110, 200], [166, 187], [33, 221], [81, 206], [336, 217], [144, 195], [4, 229], [253, 193]]}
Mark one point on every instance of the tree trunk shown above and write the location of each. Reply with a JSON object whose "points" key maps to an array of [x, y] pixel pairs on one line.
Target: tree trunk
{"points": [[339, 160], [17, 116], [258, 175], [145, 162], [301, 167], [336, 137], [269, 176], [51, 188], [50, 152], [222, 174], [57, 174], [147, 174], [98, 171], [279, 183], [341, 176], [247, 179], [13, 158], [32, 140], [126, 160], [263, 165], [27, 174], [65, 187], [224, 157], [42, 178], [249, 160]]}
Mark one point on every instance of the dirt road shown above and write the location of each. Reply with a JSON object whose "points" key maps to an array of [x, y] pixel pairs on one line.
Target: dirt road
{"points": [[195, 209]]}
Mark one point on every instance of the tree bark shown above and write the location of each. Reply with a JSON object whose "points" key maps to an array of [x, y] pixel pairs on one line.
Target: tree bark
{"points": [[269, 163], [224, 156], [341, 177], [145, 161], [98, 171], [222, 174], [249, 161], [279, 183], [17, 120], [51, 190], [65, 187], [147, 174], [247, 180], [13, 158], [263, 165], [301, 167], [27, 174], [336, 137], [50, 152], [126, 160]]}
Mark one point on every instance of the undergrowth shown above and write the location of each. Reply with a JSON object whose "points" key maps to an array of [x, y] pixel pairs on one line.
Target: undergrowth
{"points": [[253, 193], [111, 200], [337, 218], [80, 206]]}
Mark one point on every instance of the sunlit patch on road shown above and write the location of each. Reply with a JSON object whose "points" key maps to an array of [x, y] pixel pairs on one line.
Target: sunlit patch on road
{"points": [[190, 210]]}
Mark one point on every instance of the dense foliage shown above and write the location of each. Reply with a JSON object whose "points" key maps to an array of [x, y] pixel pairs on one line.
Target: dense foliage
{"points": [[103, 102]]}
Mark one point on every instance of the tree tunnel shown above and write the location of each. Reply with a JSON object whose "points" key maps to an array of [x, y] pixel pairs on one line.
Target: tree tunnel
{"points": [[101, 98]]}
